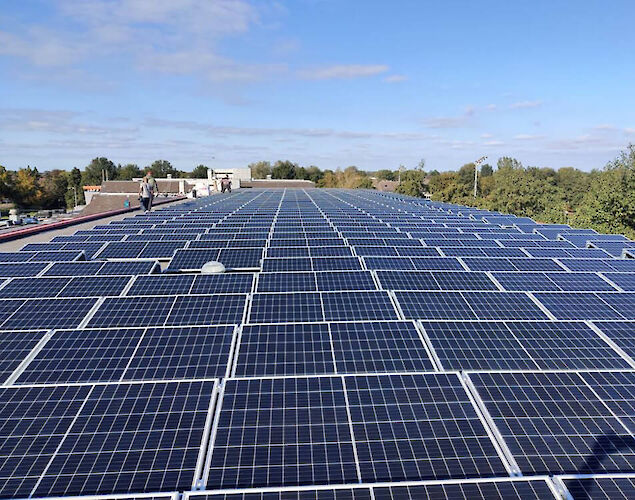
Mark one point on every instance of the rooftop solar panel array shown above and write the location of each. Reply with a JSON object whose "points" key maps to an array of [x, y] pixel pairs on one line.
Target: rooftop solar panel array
{"points": [[361, 345]]}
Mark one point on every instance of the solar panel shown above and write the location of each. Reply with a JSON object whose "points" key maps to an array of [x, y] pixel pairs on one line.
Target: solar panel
{"points": [[434, 305], [10, 270], [82, 356], [95, 286], [347, 306], [132, 311], [288, 349], [33, 287], [34, 423], [409, 427], [207, 310], [181, 353], [574, 306], [285, 308], [499, 305], [378, 347], [148, 452], [553, 423], [162, 284], [49, 313], [298, 433]]}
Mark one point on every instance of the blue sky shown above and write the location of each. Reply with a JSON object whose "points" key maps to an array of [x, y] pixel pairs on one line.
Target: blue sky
{"points": [[326, 82]]}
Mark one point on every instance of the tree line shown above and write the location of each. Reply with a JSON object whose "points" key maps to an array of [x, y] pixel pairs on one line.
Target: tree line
{"points": [[603, 200]]}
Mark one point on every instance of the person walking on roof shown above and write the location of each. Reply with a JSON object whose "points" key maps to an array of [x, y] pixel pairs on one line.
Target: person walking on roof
{"points": [[226, 185], [154, 190], [145, 194]]}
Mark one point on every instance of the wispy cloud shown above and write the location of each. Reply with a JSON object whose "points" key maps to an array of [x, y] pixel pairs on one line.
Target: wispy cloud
{"points": [[342, 71], [224, 131], [493, 143], [451, 121], [525, 104], [527, 137], [395, 78]]}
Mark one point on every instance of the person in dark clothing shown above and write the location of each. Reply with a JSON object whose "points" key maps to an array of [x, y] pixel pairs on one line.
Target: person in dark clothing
{"points": [[145, 195], [226, 185]]}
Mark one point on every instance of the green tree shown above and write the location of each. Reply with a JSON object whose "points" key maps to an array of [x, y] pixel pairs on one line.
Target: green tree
{"points": [[6, 183], [53, 186], [26, 187], [129, 172], [161, 168], [385, 174], [97, 170], [200, 172], [609, 204], [574, 185], [314, 174], [413, 183], [260, 169], [508, 162], [284, 170], [486, 170]]}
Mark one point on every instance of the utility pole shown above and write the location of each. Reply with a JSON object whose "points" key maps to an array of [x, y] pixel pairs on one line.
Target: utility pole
{"points": [[477, 164]]}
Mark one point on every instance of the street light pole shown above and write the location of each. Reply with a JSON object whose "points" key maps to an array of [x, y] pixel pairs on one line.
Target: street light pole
{"points": [[75, 193], [477, 163]]}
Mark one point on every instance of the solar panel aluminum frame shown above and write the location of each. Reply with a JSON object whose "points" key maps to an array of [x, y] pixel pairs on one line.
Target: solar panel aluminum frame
{"points": [[371, 487], [123, 496], [510, 466]]}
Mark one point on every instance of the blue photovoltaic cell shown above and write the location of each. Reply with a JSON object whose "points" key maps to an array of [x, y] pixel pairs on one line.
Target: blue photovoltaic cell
{"points": [[287, 265], [566, 346], [287, 282], [601, 487], [9, 270], [127, 268], [74, 269], [626, 281], [288, 349], [122, 250], [285, 308], [162, 284], [241, 258], [345, 280], [623, 303], [49, 313], [207, 310], [620, 332], [299, 433], [434, 305], [574, 306], [617, 391], [34, 423], [357, 493], [378, 347], [82, 356], [14, 348], [409, 427], [223, 283], [95, 286], [503, 305], [181, 353], [132, 311], [553, 423], [33, 287], [158, 423], [349, 306]]}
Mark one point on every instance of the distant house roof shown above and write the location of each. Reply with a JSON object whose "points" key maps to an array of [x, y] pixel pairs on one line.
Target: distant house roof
{"points": [[384, 185], [132, 187]]}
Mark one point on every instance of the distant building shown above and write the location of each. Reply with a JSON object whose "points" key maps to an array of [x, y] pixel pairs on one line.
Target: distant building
{"points": [[384, 185]]}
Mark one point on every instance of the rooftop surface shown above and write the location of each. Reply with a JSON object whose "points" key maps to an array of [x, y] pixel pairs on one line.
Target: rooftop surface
{"points": [[361, 345]]}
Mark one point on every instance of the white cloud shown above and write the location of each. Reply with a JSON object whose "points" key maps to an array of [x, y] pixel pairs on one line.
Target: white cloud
{"points": [[525, 104], [527, 137], [486, 136], [629, 131], [605, 127], [451, 121], [342, 71], [395, 78], [493, 143]]}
